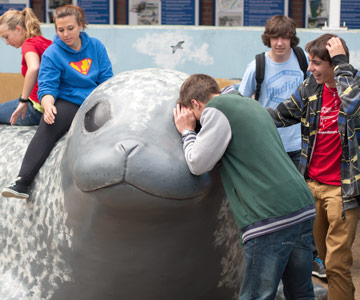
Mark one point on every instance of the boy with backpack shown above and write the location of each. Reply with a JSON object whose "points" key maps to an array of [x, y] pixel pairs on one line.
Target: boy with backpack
{"points": [[281, 73], [272, 77]]}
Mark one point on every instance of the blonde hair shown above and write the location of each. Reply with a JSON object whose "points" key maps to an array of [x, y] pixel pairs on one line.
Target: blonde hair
{"points": [[25, 18], [71, 10]]}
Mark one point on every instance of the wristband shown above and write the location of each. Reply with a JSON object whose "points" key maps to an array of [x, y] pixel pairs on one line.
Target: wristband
{"points": [[23, 100]]}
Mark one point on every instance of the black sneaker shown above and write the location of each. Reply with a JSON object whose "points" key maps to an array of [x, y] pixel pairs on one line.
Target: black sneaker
{"points": [[318, 269], [16, 190]]}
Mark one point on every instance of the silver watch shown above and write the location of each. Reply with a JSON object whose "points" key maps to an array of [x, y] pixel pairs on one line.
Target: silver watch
{"points": [[186, 132]]}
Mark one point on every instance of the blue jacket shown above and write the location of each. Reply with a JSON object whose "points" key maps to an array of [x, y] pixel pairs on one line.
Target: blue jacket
{"points": [[72, 75]]}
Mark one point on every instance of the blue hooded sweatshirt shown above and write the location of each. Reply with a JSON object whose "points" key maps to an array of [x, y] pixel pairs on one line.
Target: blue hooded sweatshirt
{"points": [[72, 75]]}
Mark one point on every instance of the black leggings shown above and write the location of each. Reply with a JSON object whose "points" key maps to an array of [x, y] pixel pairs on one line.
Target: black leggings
{"points": [[45, 139]]}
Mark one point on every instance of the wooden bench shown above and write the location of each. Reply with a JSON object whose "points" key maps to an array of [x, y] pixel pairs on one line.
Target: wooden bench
{"points": [[10, 86], [12, 83]]}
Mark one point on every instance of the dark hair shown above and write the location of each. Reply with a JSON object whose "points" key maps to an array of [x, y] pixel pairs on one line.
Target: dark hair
{"points": [[280, 26], [25, 18], [71, 10], [317, 47], [199, 87]]}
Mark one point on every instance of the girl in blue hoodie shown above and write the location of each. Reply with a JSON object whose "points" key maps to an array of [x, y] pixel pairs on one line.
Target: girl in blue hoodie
{"points": [[71, 68]]}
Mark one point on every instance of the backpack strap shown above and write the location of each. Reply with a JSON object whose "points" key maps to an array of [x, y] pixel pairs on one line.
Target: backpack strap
{"points": [[259, 72], [260, 67], [300, 55]]}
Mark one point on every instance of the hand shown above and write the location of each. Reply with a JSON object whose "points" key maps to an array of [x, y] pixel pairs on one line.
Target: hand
{"points": [[19, 111], [184, 118], [335, 47], [49, 109]]}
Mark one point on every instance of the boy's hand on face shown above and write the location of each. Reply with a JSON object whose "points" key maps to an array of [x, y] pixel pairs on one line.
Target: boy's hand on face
{"points": [[184, 118], [335, 47]]}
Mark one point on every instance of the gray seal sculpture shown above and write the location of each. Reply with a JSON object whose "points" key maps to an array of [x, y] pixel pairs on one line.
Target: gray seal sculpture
{"points": [[167, 232], [114, 211]]}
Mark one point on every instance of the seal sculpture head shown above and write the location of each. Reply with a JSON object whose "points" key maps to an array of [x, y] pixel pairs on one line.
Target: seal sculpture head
{"points": [[139, 217]]}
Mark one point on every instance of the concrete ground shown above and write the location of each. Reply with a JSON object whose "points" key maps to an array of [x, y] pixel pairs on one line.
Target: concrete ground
{"points": [[355, 268]]}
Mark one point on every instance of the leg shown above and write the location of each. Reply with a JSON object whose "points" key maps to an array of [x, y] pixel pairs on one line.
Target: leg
{"points": [[340, 237], [297, 276], [45, 139], [321, 223], [266, 258], [317, 264], [314, 250], [320, 229], [32, 116], [260, 282], [295, 157]]}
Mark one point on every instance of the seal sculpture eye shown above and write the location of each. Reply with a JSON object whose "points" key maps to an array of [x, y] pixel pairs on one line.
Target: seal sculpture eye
{"points": [[97, 116]]}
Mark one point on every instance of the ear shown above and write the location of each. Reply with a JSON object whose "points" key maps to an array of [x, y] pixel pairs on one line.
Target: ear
{"points": [[195, 103], [19, 29]]}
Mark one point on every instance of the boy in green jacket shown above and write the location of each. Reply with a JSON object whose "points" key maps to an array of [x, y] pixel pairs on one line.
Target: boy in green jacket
{"points": [[272, 205]]}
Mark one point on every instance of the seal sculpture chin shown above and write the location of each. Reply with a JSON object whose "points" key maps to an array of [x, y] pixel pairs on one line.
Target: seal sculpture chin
{"points": [[144, 227]]}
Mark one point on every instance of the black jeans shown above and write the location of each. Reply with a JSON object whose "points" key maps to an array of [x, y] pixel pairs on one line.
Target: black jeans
{"points": [[45, 139], [295, 157]]}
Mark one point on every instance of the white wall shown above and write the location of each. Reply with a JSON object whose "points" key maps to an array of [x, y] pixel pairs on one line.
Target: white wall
{"points": [[217, 51]]}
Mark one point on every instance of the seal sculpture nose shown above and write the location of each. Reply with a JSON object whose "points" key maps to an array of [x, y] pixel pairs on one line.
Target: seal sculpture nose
{"points": [[128, 147]]}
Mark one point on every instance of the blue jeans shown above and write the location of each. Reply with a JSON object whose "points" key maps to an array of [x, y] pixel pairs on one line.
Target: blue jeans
{"points": [[284, 254], [32, 116]]}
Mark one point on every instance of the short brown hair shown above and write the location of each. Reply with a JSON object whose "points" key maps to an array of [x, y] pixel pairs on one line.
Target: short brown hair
{"points": [[71, 10], [317, 47], [199, 87], [280, 26]]}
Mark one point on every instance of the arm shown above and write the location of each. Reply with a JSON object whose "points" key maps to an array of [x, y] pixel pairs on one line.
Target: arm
{"points": [[33, 64], [248, 83], [205, 149], [289, 111], [347, 78], [48, 102], [105, 71], [49, 82], [49, 78]]}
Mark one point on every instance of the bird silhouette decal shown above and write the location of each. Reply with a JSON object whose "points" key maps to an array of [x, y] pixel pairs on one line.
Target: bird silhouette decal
{"points": [[177, 46]]}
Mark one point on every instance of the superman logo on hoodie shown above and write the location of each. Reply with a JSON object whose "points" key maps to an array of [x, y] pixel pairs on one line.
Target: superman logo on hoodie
{"points": [[82, 66]]}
